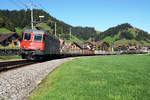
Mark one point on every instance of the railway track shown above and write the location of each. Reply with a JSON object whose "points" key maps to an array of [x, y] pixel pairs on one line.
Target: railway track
{"points": [[4, 66]]}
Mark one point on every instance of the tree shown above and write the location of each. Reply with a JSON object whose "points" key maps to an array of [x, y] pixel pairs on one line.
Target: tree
{"points": [[126, 35], [84, 33], [124, 48], [1, 22], [10, 26]]}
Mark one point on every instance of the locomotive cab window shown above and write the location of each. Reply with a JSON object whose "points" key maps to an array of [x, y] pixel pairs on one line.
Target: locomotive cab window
{"points": [[38, 37], [27, 36]]}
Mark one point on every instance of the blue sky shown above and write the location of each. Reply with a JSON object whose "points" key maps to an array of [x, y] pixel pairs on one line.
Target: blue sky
{"points": [[101, 14]]}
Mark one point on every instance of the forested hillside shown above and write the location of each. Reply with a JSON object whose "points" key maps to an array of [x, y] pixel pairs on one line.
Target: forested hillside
{"points": [[19, 20], [125, 34], [84, 33], [121, 34]]}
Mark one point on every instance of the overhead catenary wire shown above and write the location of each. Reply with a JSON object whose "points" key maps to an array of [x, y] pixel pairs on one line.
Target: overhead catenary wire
{"points": [[15, 3], [31, 1], [23, 3], [55, 24], [40, 6]]}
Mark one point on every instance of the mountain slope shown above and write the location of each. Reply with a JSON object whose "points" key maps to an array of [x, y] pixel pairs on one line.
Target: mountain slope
{"points": [[121, 34], [19, 20], [125, 34], [84, 33]]}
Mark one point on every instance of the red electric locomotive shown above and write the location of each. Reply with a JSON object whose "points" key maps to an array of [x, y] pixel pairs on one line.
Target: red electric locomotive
{"points": [[37, 44]]}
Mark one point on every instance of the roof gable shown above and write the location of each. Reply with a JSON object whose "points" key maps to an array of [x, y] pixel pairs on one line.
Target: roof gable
{"points": [[3, 37], [81, 45]]}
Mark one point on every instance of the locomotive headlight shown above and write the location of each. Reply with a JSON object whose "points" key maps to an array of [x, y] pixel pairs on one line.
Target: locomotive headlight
{"points": [[31, 44]]}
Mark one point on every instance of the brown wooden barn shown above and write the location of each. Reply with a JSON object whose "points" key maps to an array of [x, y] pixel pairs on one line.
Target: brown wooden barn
{"points": [[78, 47], [10, 39], [99, 45]]}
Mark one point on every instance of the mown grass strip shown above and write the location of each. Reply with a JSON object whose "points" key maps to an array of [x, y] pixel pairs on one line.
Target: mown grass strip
{"points": [[98, 78], [9, 57]]}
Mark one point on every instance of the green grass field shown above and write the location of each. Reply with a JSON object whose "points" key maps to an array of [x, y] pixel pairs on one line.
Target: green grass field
{"points": [[4, 30], [98, 78], [9, 57]]}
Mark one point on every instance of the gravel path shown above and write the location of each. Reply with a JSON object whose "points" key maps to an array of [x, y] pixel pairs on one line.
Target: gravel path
{"points": [[17, 84]]}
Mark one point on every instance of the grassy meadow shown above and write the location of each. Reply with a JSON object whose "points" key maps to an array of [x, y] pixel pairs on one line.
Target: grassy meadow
{"points": [[9, 57], [98, 78], [4, 30]]}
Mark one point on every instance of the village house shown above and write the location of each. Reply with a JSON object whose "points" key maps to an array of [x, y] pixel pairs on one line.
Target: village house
{"points": [[131, 48], [122, 47], [145, 49], [103, 46], [78, 47], [10, 39]]}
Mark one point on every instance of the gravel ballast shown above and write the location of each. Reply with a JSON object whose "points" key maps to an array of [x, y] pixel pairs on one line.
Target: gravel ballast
{"points": [[17, 84]]}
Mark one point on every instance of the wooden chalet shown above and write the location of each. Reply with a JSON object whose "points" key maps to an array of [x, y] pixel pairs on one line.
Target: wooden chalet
{"points": [[99, 45], [78, 47], [10, 39]]}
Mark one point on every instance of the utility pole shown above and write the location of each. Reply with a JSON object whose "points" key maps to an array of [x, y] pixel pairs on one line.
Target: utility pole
{"points": [[31, 16], [55, 29], [70, 33]]}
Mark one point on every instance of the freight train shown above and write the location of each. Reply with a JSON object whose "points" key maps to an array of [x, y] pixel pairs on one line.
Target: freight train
{"points": [[38, 44]]}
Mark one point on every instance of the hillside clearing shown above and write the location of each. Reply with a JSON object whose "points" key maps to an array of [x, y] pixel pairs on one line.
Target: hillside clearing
{"points": [[4, 30]]}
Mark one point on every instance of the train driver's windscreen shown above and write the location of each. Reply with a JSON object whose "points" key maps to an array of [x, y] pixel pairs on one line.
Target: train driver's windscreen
{"points": [[38, 37], [27, 36]]}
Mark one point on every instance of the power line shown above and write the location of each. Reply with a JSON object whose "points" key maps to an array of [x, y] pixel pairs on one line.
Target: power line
{"points": [[41, 6], [15, 3], [31, 1], [22, 3], [28, 1]]}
